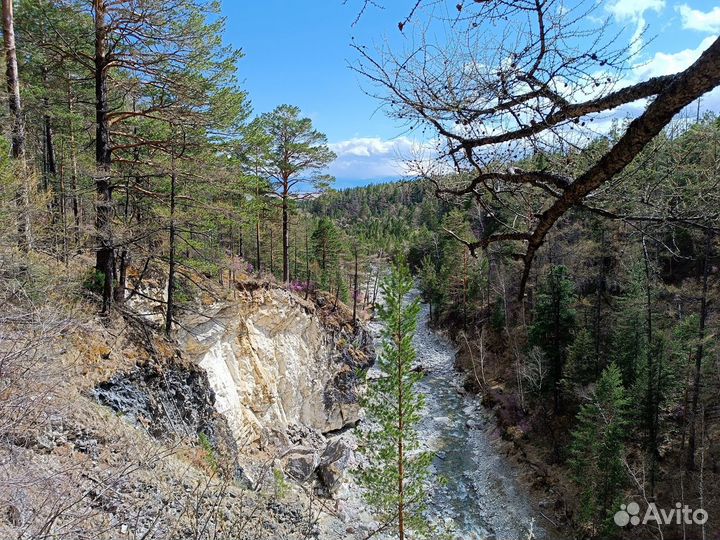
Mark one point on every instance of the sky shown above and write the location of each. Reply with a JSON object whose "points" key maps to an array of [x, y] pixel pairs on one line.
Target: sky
{"points": [[298, 52]]}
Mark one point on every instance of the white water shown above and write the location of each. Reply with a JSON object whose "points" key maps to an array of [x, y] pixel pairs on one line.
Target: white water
{"points": [[482, 498], [475, 494]]}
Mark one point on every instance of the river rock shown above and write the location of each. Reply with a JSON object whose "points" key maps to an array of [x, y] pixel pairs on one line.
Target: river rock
{"points": [[473, 424], [470, 409], [333, 463]]}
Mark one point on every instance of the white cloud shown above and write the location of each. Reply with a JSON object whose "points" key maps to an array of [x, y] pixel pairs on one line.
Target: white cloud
{"points": [[668, 63], [634, 11], [372, 157], [694, 19], [661, 63], [370, 146]]}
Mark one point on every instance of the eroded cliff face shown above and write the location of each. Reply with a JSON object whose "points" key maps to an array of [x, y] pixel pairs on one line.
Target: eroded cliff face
{"points": [[111, 430], [276, 362]]}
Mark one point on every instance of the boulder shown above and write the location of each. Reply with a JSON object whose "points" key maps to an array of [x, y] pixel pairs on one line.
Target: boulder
{"points": [[300, 463], [333, 463]]}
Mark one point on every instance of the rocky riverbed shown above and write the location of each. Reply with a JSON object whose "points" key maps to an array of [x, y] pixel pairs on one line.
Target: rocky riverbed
{"points": [[476, 493], [480, 496]]}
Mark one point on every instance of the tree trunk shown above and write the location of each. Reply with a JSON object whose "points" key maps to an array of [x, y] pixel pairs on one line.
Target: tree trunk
{"points": [[272, 252], [600, 286], [74, 172], [52, 180], [557, 366], [651, 389], [221, 271], [62, 197], [18, 127], [465, 288], [355, 290], [375, 286], [241, 242], [699, 353], [121, 285], [295, 254], [286, 234], [171, 266], [124, 255], [50, 155], [366, 297], [400, 439], [258, 260], [105, 254], [307, 266]]}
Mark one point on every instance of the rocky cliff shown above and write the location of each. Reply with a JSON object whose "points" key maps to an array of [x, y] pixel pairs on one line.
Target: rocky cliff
{"points": [[262, 376], [275, 361], [109, 430]]}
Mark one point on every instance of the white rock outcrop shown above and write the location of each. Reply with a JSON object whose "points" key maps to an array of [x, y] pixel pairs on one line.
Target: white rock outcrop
{"points": [[272, 363]]}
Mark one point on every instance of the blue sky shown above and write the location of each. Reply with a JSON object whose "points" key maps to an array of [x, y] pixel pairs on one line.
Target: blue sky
{"points": [[297, 52]]}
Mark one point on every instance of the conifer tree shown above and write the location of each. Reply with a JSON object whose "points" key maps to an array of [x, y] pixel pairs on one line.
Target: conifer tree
{"points": [[552, 329], [629, 343], [18, 125], [326, 251], [581, 365], [598, 447], [298, 154], [430, 284], [395, 478]]}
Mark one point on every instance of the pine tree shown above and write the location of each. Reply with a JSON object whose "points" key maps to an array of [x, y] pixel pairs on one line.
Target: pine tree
{"points": [[455, 266], [598, 447], [629, 343], [298, 154], [326, 247], [155, 67], [251, 152], [581, 365], [24, 220], [554, 321], [430, 284], [395, 478]]}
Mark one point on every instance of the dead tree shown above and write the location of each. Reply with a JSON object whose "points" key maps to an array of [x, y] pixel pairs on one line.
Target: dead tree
{"points": [[18, 125]]}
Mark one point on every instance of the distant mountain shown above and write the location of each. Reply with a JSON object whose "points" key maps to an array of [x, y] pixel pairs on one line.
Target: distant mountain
{"points": [[346, 183]]}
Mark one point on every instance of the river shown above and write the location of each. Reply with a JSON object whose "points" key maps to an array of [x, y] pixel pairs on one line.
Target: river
{"points": [[475, 493], [482, 498]]}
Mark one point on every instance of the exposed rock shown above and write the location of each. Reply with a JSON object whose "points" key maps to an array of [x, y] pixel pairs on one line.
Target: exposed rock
{"points": [[267, 372], [300, 435], [267, 355], [12, 515], [274, 438], [333, 464], [168, 399], [300, 463]]}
